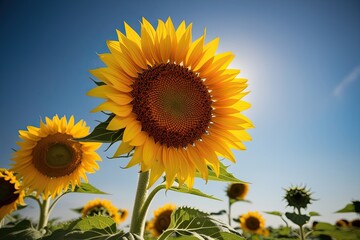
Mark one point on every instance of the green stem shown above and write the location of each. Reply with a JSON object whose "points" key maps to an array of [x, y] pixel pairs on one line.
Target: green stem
{"points": [[139, 212], [301, 229], [150, 198], [44, 213], [229, 213]]}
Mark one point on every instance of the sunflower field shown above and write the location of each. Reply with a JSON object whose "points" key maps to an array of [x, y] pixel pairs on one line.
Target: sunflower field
{"points": [[174, 107]]}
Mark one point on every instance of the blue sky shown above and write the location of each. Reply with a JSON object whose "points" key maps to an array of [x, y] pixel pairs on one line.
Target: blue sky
{"points": [[302, 59]]}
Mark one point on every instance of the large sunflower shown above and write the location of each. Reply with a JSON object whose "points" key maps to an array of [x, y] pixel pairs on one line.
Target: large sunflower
{"points": [[252, 222], [177, 101], [49, 161], [161, 220], [10, 193], [104, 207]]}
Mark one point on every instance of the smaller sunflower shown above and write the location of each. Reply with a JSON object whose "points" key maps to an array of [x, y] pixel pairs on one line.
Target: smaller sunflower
{"points": [[355, 223], [252, 222], [161, 220], [10, 193], [342, 223], [237, 191], [298, 197], [106, 208], [49, 161]]}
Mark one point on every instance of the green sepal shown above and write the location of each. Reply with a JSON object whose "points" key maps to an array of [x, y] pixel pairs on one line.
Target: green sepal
{"points": [[298, 219], [101, 134], [190, 223]]}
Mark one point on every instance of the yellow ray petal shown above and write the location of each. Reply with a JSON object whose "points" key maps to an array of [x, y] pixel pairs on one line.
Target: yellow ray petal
{"points": [[140, 139], [119, 122], [124, 147], [131, 131]]}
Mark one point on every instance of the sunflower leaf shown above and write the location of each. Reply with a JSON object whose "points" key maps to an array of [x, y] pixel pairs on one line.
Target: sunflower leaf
{"points": [[314, 214], [351, 207], [331, 230], [224, 175], [275, 213], [232, 201], [189, 223], [87, 188], [298, 219], [101, 134], [193, 191], [21, 230]]}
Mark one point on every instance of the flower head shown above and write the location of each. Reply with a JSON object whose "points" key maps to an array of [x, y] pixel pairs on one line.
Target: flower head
{"points": [[342, 223], [298, 197], [10, 193], [252, 222], [355, 223], [49, 161], [177, 101], [161, 220], [106, 208], [237, 191]]}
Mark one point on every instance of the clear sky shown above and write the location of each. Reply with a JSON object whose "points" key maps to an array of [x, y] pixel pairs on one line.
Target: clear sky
{"points": [[302, 59]]}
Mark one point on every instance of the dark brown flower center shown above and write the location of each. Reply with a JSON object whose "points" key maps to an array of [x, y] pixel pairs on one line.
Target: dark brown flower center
{"points": [[236, 190], [162, 222], [172, 103], [7, 192], [252, 223], [57, 155]]}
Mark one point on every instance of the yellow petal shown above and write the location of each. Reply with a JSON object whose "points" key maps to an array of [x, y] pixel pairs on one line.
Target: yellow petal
{"points": [[119, 122], [124, 147], [131, 131], [140, 139], [136, 158]]}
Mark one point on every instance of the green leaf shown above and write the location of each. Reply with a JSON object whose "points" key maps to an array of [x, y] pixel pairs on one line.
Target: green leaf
{"points": [[224, 175], [101, 134], [77, 210], [275, 213], [21, 230], [88, 188], [193, 191], [348, 208], [190, 223], [97, 222], [337, 233], [232, 201], [298, 219], [313, 214]]}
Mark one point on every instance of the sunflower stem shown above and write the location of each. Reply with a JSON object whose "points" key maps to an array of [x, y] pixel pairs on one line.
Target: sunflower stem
{"points": [[44, 213], [229, 213], [301, 229], [139, 212]]}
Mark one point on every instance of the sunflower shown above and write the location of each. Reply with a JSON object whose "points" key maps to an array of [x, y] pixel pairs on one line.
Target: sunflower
{"points": [[176, 100], [106, 208], [252, 222], [298, 197], [10, 193], [342, 223], [161, 220], [237, 191], [49, 161]]}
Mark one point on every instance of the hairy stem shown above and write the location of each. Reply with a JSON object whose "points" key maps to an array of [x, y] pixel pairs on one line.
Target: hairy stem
{"points": [[44, 213]]}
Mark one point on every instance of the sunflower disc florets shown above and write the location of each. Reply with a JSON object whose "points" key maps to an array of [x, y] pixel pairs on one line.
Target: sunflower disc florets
{"points": [[298, 197]]}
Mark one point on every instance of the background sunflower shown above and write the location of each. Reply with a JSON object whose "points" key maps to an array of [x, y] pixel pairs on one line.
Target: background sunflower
{"points": [[161, 220], [49, 161]]}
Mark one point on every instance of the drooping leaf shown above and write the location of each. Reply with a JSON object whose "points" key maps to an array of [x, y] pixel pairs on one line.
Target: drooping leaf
{"points": [[221, 212], [193, 191], [224, 175], [348, 208], [88, 188], [313, 214], [275, 213], [232, 200], [77, 210], [101, 134], [298, 219], [194, 224], [21, 230]]}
